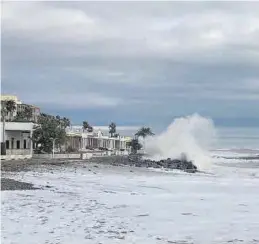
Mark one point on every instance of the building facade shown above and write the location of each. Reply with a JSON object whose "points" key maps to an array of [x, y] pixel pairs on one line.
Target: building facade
{"points": [[5, 98], [17, 137], [35, 111], [20, 108], [81, 140]]}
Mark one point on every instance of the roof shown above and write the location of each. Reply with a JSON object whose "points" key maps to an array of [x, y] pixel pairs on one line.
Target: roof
{"points": [[25, 104], [10, 97], [18, 126]]}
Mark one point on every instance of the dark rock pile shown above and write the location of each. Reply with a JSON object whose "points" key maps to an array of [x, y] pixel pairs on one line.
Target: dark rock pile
{"points": [[138, 161], [12, 185]]}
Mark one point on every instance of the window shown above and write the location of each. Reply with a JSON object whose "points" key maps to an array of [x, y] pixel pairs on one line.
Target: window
{"points": [[7, 144], [18, 144], [24, 144], [12, 143]]}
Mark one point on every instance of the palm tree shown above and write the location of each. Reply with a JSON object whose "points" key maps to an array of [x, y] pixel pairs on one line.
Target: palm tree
{"points": [[85, 125], [7, 109], [112, 129], [144, 132], [28, 113], [10, 107], [58, 118], [3, 116], [4, 111], [90, 128], [66, 122]]}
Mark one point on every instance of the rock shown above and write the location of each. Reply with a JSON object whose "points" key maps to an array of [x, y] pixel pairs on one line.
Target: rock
{"points": [[138, 161], [10, 184]]}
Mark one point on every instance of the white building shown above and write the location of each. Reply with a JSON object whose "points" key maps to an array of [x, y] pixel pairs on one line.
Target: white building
{"points": [[17, 138], [122, 130], [20, 107], [83, 140], [17, 102]]}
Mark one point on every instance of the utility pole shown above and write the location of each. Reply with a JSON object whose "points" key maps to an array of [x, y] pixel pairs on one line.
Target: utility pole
{"points": [[3, 149], [53, 147]]}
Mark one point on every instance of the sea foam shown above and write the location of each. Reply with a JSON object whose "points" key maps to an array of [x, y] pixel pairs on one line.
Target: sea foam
{"points": [[192, 135]]}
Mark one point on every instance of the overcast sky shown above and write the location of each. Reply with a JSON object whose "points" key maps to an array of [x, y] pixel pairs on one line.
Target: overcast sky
{"points": [[134, 63]]}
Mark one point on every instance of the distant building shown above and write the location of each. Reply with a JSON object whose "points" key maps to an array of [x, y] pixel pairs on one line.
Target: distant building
{"points": [[20, 108], [81, 140], [35, 111], [122, 130], [10, 97], [5, 98]]}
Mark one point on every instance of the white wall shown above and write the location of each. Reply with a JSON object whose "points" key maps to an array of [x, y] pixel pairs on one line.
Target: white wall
{"points": [[58, 156], [18, 126], [15, 127], [17, 136], [20, 152], [17, 131], [15, 157]]}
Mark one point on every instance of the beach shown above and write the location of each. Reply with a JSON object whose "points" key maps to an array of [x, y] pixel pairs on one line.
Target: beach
{"points": [[79, 202]]}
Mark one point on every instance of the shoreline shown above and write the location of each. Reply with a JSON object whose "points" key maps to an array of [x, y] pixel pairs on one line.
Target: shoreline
{"points": [[95, 165]]}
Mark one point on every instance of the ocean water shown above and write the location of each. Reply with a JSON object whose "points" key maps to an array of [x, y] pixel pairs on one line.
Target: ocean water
{"points": [[237, 138]]}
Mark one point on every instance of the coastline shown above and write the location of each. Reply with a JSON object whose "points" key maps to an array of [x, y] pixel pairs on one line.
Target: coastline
{"points": [[11, 169]]}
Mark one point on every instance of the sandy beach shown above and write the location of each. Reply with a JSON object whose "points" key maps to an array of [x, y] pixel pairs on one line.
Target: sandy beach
{"points": [[79, 202]]}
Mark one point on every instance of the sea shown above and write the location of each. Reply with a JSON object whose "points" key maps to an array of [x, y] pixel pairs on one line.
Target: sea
{"points": [[237, 138], [237, 143]]}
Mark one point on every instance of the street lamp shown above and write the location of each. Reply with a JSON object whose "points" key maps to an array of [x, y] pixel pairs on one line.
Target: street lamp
{"points": [[53, 146]]}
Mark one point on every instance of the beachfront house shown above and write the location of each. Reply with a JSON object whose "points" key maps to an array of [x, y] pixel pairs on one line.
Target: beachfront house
{"points": [[17, 138], [81, 140]]}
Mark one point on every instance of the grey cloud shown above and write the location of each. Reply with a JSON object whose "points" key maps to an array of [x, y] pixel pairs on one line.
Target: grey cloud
{"points": [[144, 58]]}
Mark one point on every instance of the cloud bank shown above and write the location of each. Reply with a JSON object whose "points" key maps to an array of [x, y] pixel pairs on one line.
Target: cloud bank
{"points": [[141, 62]]}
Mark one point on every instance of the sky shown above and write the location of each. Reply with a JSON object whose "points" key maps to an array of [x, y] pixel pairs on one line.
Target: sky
{"points": [[134, 63]]}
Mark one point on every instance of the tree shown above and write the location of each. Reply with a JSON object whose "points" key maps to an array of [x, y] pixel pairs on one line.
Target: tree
{"points": [[7, 109], [85, 125], [144, 132], [63, 122], [20, 117], [66, 122], [112, 129], [134, 145], [26, 115], [3, 117], [90, 128], [49, 129]]}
